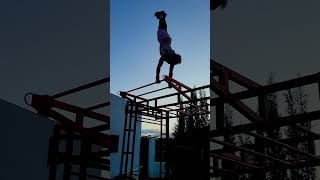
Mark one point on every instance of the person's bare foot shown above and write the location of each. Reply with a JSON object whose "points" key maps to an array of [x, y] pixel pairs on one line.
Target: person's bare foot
{"points": [[157, 79]]}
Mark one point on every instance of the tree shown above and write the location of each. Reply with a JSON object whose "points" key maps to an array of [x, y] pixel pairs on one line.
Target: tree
{"points": [[297, 103], [193, 143], [272, 114]]}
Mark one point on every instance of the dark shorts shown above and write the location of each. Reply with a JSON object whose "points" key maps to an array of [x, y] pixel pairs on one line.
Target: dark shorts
{"points": [[172, 59]]}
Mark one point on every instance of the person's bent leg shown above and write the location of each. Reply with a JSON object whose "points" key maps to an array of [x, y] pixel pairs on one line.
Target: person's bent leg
{"points": [[160, 63]]}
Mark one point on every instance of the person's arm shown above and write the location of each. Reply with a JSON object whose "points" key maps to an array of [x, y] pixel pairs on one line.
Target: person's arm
{"points": [[162, 24]]}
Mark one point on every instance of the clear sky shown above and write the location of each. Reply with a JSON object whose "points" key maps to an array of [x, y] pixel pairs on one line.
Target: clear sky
{"points": [[135, 49]]}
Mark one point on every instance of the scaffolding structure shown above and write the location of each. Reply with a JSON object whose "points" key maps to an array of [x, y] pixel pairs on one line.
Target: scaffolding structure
{"points": [[72, 134], [221, 77], [158, 110]]}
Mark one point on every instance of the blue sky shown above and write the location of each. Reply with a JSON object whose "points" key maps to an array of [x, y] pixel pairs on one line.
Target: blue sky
{"points": [[135, 49]]}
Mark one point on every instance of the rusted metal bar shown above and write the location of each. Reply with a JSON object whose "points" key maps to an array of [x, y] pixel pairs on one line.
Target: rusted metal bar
{"points": [[168, 79], [219, 172], [237, 104], [98, 106], [157, 90], [235, 160], [144, 86], [44, 103], [296, 150], [284, 163], [275, 87], [263, 125], [83, 87], [97, 138], [234, 76], [178, 93]]}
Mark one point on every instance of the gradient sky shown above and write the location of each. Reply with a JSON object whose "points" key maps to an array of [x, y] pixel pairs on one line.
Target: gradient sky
{"points": [[135, 49]]}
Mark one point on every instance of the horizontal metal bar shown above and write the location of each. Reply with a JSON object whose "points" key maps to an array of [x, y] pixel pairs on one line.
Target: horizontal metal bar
{"points": [[98, 106], [263, 90], [83, 87], [157, 90], [184, 102], [296, 150], [238, 161], [305, 130], [150, 123], [178, 93], [284, 163], [282, 121], [144, 86], [101, 139], [99, 128], [222, 172], [253, 146]]}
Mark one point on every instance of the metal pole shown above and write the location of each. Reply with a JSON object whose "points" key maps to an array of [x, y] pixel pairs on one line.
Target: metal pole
{"points": [[67, 164], [134, 138], [52, 154], [128, 140], [167, 146], [161, 145], [124, 138]]}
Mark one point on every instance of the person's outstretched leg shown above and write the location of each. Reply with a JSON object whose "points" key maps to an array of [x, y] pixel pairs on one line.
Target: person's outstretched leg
{"points": [[160, 63], [171, 70]]}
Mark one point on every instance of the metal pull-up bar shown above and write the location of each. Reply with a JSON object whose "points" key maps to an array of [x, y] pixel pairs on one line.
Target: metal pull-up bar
{"points": [[83, 87]]}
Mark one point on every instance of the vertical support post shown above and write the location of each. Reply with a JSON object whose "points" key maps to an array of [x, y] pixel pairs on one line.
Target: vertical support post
{"points": [[128, 140], [181, 122], [259, 144], [167, 146], [52, 153], [124, 139], [134, 138], [319, 88], [68, 155], [262, 107], [224, 81], [84, 157], [161, 124]]}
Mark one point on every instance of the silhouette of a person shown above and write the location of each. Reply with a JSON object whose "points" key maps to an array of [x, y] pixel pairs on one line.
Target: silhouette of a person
{"points": [[167, 54]]}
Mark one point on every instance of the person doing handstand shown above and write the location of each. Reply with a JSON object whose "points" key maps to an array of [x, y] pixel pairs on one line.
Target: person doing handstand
{"points": [[167, 54]]}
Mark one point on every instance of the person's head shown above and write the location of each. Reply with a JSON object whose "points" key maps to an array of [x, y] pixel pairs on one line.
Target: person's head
{"points": [[160, 14]]}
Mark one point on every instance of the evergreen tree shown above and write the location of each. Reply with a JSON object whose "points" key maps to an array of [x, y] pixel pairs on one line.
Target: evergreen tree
{"points": [[296, 103]]}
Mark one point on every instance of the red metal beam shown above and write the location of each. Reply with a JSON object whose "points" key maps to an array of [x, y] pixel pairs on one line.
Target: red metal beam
{"points": [[263, 125], [282, 162], [83, 87], [43, 103], [234, 76], [296, 150], [235, 159], [98, 138], [263, 90]]}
